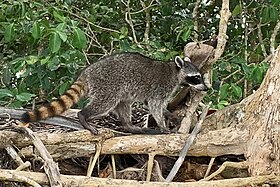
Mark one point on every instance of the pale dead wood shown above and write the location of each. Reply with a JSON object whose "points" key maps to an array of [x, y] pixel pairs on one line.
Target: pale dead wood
{"points": [[240, 165], [222, 35], [71, 180], [262, 118], [187, 145], [273, 37], [50, 167], [82, 143]]}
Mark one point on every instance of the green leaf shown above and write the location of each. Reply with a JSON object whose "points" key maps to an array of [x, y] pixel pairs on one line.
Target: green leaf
{"points": [[9, 33], [63, 87], [224, 91], [257, 74], [54, 64], [36, 32], [58, 17], [45, 60], [79, 39], [24, 96], [185, 36], [31, 59], [61, 27], [124, 32], [55, 42], [273, 14], [237, 91], [236, 10], [5, 93], [265, 15], [7, 75], [62, 35]]}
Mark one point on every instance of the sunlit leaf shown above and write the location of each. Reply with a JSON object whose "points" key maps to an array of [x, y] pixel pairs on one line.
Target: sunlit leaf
{"points": [[79, 39], [5, 93], [24, 96], [9, 33], [36, 32], [55, 42]]}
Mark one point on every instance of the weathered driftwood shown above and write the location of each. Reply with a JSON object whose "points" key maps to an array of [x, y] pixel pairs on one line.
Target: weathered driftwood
{"points": [[71, 180], [82, 143]]}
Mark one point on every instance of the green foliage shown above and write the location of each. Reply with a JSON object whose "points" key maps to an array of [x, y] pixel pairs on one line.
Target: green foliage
{"points": [[43, 43]]}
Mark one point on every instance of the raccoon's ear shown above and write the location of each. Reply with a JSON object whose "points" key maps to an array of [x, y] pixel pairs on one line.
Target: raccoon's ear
{"points": [[179, 62], [187, 59]]}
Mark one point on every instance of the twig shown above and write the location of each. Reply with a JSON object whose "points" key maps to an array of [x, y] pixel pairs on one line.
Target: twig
{"points": [[150, 166], [246, 55], [50, 167], [209, 167], [186, 122], [195, 19], [240, 165], [12, 152], [187, 145], [148, 21], [128, 19], [261, 38], [159, 173], [222, 36], [273, 36], [144, 8], [114, 166], [93, 160], [87, 21]]}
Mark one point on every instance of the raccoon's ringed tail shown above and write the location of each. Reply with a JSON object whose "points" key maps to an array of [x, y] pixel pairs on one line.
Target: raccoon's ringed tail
{"points": [[66, 101]]}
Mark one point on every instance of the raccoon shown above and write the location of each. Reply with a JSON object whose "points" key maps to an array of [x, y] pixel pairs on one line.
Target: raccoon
{"points": [[113, 83]]}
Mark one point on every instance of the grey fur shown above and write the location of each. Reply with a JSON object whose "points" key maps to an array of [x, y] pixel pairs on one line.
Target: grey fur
{"points": [[115, 82]]}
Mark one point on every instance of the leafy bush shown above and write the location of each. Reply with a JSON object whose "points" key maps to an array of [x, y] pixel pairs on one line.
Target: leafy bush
{"points": [[44, 44]]}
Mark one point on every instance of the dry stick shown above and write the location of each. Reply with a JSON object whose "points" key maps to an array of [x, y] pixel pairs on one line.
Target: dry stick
{"points": [[187, 145], [273, 36], [150, 166], [159, 173], [195, 22], [114, 166], [209, 167], [128, 19], [240, 165], [260, 37], [21, 165], [50, 167], [13, 177], [89, 22], [93, 160], [148, 20]]}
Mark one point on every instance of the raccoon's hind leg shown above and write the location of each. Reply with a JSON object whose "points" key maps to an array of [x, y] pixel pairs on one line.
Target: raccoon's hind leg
{"points": [[95, 109], [86, 125]]}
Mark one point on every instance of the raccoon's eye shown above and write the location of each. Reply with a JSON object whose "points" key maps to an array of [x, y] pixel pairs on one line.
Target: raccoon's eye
{"points": [[194, 80]]}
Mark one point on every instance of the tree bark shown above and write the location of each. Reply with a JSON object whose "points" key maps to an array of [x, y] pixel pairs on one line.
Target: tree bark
{"points": [[262, 119]]}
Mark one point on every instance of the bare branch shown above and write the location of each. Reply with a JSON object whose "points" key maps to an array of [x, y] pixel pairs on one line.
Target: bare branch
{"points": [[195, 19], [187, 145], [128, 19], [273, 36], [82, 181], [261, 38]]}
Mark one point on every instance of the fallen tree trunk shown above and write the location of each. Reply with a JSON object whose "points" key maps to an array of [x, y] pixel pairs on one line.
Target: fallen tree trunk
{"points": [[71, 180], [82, 143]]}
